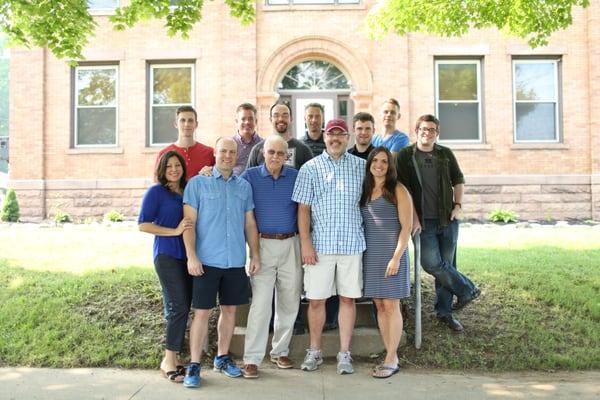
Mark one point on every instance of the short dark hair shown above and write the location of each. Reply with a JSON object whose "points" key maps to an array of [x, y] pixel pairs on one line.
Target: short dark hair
{"points": [[186, 109], [280, 103], [315, 105], [161, 168], [363, 117], [393, 101], [246, 106], [428, 118]]}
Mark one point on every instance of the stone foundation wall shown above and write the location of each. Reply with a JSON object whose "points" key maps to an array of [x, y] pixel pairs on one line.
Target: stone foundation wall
{"points": [[531, 197]]}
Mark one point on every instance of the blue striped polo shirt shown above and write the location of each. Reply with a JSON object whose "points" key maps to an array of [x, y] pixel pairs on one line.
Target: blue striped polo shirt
{"points": [[274, 210]]}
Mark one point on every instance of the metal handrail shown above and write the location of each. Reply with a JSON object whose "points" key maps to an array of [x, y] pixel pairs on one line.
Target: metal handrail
{"points": [[417, 256]]}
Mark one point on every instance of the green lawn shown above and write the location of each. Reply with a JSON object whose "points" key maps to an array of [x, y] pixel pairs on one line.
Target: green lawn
{"points": [[88, 296]]}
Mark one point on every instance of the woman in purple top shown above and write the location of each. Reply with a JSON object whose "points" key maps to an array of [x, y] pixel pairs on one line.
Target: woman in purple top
{"points": [[161, 214], [386, 208]]}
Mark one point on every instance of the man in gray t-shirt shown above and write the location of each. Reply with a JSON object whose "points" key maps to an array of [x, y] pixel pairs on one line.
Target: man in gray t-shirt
{"points": [[298, 152]]}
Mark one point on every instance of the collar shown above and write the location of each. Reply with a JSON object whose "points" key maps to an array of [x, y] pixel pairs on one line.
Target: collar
{"points": [[328, 157], [218, 175], [252, 139], [264, 172]]}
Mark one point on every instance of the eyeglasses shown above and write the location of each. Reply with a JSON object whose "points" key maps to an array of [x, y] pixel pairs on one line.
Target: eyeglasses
{"points": [[276, 153], [428, 130], [339, 134]]}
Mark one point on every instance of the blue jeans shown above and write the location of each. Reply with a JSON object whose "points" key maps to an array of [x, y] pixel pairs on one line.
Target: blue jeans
{"points": [[176, 286], [438, 258]]}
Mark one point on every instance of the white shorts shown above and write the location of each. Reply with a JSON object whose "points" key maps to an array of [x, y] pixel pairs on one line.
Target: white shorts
{"points": [[334, 274]]}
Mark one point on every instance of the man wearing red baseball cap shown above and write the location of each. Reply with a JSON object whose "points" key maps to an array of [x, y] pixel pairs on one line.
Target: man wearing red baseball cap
{"points": [[328, 190]]}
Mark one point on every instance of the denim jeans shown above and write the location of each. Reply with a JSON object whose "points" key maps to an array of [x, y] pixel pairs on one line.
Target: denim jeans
{"points": [[176, 286], [438, 258]]}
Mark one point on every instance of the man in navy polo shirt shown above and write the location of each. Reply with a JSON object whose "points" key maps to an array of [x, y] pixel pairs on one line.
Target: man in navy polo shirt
{"points": [[276, 216], [220, 206]]}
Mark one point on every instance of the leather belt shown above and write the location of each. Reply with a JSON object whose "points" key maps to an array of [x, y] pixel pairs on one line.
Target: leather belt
{"points": [[278, 236]]}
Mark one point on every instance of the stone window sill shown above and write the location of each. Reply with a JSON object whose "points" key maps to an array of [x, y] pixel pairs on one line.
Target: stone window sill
{"points": [[467, 146], [539, 146], [95, 150]]}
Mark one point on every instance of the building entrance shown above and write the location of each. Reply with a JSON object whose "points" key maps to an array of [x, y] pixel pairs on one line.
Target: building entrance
{"points": [[316, 81]]}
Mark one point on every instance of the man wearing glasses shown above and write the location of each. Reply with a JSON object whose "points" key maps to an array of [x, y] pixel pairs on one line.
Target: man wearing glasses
{"points": [[281, 119], [328, 190], [280, 271], [431, 174]]}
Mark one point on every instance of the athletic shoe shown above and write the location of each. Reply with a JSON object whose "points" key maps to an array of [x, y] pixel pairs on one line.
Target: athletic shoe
{"points": [[312, 360], [226, 365], [344, 363], [192, 376]]}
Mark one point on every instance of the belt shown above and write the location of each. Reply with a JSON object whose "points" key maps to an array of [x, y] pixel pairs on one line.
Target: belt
{"points": [[278, 236]]}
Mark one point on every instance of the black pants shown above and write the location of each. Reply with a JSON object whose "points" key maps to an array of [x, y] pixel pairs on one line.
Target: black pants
{"points": [[177, 292]]}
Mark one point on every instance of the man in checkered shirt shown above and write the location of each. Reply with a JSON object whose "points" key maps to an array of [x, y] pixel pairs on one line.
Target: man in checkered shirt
{"points": [[328, 190]]}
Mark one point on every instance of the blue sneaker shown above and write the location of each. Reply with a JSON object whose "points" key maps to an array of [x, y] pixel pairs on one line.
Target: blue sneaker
{"points": [[226, 365], [192, 376]]}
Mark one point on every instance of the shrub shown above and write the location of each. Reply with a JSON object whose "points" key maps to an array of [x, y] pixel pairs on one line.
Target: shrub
{"points": [[61, 217], [88, 220], [10, 207], [114, 216], [501, 215]]}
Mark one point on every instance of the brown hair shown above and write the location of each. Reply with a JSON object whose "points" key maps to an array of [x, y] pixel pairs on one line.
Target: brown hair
{"points": [[428, 118], [161, 169], [389, 186], [186, 109], [246, 106]]}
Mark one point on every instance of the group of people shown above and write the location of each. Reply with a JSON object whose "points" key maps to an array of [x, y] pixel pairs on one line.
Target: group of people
{"points": [[319, 219]]}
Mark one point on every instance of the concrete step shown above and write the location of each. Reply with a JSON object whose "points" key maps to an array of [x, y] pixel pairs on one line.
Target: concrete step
{"points": [[363, 315], [365, 341]]}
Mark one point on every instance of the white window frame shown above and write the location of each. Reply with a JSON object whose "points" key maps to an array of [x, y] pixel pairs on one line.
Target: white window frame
{"points": [[556, 99], [93, 9], [311, 2], [479, 101], [151, 105], [76, 105]]}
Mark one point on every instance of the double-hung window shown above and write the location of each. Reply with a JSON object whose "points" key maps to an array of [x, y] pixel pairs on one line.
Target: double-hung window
{"points": [[458, 100], [96, 105], [101, 5], [278, 2], [171, 86], [536, 100]]}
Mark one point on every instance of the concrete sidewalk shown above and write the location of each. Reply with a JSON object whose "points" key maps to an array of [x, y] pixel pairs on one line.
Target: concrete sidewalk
{"points": [[86, 383]]}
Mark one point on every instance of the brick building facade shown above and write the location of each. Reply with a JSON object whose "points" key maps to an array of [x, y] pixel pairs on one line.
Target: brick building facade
{"points": [[523, 122]]}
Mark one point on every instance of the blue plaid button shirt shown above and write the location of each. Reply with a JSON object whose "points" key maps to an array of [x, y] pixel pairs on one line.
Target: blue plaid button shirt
{"points": [[332, 189]]}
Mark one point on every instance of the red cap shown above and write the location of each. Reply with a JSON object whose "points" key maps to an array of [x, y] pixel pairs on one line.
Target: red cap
{"points": [[336, 123]]}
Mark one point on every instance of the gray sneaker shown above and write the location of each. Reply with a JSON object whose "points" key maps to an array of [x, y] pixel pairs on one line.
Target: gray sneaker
{"points": [[312, 360], [344, 363]]}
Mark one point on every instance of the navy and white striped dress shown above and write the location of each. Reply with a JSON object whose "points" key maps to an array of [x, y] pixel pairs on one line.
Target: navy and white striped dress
{"points": [[382, 229]]}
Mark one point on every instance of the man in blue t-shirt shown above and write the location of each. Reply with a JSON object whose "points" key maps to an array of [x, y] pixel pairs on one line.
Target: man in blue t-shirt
{"points": [[221, 208], [391, 138], [280, 271]]}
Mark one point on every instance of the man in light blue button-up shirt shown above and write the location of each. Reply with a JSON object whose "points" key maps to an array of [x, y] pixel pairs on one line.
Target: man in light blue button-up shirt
{"points": [[328, 190], [221, 207]]}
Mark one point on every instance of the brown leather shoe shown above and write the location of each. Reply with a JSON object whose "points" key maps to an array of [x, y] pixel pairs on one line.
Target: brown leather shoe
{"points": [[282, 362], [250, 371]]}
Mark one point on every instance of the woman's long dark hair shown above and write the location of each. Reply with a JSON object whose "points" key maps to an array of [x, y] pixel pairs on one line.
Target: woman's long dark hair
{"points": [[389, 186], [161, 169]]}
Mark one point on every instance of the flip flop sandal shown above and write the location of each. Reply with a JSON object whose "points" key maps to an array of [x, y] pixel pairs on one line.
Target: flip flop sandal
{"points": [[384, 371], [173, 376]]}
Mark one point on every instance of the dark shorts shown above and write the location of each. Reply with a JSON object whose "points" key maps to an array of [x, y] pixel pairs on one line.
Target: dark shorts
{"points": [[230, 283]]}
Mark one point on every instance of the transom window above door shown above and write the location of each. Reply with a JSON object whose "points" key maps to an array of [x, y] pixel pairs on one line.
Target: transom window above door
{"points": [[314, 75]]}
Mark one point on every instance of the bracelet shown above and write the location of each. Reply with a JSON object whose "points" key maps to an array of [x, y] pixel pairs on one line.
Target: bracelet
{"points": [[457, 204]]}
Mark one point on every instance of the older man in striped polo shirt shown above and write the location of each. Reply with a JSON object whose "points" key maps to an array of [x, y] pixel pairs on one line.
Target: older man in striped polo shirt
{"points": [[276, 216]]}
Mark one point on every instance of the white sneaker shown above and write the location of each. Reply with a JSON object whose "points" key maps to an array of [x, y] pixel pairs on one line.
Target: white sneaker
{"points": [[344, 363], [312, 360]]}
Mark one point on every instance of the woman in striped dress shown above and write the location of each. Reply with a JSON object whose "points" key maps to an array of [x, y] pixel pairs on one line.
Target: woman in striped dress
{"points": [[387, 213]]}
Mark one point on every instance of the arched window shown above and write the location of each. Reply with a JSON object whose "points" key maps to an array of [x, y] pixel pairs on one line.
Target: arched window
{"points": [[314, 75]]}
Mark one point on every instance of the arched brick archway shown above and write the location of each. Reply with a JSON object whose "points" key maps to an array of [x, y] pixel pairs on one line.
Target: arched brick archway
{"points": [[310, 48]]}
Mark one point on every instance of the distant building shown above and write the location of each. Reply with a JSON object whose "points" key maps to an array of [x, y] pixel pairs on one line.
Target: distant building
{"points": [[523, 122]]}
